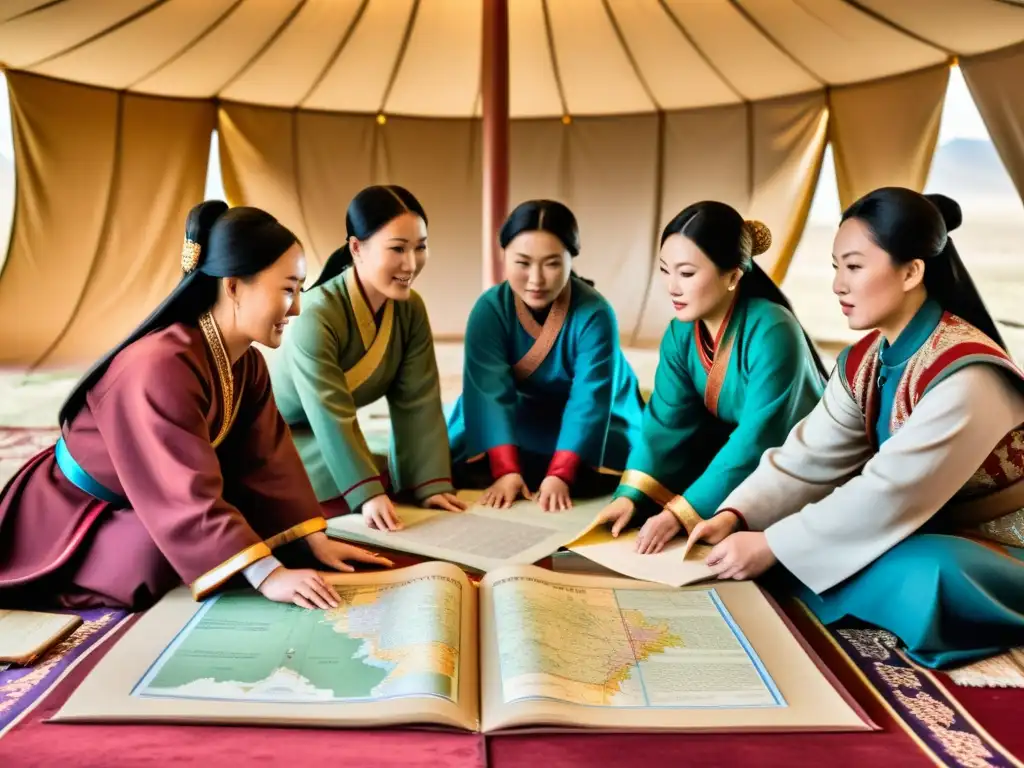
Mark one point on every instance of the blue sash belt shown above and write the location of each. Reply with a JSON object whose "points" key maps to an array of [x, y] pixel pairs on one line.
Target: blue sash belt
{"points": [[83, 480]]}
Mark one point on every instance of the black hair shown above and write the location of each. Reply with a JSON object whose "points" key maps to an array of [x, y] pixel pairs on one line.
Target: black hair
{"points": [[731, 242], [549, 216], [908, 225], [219, 242], [368, 213]]}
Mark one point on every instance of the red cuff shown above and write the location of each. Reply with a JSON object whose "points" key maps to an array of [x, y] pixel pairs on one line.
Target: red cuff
{"points": [[563, 466], [742, 519], [504, 460]]}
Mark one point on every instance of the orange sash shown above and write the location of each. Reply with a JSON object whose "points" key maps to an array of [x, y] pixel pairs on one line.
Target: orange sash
{"points": [[544, 336]]}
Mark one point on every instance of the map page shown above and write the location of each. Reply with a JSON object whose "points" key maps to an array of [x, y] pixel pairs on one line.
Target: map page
{"points": [[382, 642], [624, 648]]}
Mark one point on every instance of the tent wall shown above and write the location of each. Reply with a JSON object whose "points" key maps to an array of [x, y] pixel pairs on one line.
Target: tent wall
{"points": [[624, 177], [995, 82], [884, 133], [104, 181], [102, 206]]}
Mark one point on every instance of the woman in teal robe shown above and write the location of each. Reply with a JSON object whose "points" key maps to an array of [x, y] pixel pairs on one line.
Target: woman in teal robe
{"points": [[548, 397], [899, 501], [365, 335], [736, 372]]}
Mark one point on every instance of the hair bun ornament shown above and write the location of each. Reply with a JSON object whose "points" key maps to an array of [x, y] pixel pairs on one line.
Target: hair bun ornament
{"points": [[190, 251], [760, 236]]}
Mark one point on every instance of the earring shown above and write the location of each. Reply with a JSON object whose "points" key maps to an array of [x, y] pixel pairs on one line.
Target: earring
{"points": [[732, 287]]}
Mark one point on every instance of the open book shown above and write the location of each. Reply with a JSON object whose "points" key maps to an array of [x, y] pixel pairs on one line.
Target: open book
{"points": [[425, 646]]}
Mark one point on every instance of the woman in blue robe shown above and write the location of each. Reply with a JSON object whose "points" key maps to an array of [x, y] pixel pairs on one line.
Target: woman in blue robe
{"points": [[548, 397]]}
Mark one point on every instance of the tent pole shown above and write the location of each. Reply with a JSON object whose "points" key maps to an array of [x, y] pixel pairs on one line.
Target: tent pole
{"points": [[496, 135]]}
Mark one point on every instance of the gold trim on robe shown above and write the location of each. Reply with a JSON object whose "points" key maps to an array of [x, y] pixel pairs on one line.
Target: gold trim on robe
{"points": [[375, 341], [684, 512], [647, 485], [544, 336], [213, 578], [300, 531], [222, 362]]}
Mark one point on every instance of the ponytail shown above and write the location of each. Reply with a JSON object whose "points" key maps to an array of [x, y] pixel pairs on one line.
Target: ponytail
{"points": [[336, 263], [757, 284], [948, 282]]}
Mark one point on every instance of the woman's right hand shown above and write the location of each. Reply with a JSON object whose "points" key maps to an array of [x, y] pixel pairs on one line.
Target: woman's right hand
{"points": [[304, 587], [380, 513], [618, 513], [505, 490]]}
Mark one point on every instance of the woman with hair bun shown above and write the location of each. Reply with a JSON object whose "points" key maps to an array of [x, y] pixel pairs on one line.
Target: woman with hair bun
{"points": [[899, 500], [365, 335], [736, 372], [174, 465], [548, 397]]}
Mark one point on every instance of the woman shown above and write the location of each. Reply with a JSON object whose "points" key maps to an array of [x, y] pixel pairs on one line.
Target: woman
{"points": [[548, 396], [736, 372], [899, 500], [365, 335], [174, 464]]}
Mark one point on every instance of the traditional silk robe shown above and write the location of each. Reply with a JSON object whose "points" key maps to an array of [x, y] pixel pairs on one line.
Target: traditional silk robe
{"points": [[717, 406], [900, 499], [556, 393], [200, 473], [339, 356]]}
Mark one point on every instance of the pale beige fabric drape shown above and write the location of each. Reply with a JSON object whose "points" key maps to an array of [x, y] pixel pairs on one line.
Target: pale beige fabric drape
{"points": [[884, 133], [996, 82], [104, 182]]}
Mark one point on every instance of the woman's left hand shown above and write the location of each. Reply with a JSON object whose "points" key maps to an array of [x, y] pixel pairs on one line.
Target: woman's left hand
{"points": [[554, 495], [334, 553], [657, 532], [448, 501], [742, 555]]}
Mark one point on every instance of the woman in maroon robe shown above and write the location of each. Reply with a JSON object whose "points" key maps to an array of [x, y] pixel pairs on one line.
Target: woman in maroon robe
{"points": [[174, 464]]}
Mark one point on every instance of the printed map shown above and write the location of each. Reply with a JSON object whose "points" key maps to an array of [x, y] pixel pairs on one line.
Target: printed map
{"points": [[381, 642], [624, 648]]}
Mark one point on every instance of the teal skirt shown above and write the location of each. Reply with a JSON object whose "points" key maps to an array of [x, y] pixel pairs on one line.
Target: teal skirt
{"points": [[950, 600]]}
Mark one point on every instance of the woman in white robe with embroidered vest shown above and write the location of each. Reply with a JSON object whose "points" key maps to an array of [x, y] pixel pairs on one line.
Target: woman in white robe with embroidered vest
{"points": [[899, 500], [364, 334]]}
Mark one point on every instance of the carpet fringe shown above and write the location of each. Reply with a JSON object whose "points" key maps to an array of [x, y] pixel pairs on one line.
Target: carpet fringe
{"points": [[1003, 671]]}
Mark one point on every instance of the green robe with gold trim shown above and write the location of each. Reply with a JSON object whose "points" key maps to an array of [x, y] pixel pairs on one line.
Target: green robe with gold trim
{"points": [[690, 458], [338, 356]]}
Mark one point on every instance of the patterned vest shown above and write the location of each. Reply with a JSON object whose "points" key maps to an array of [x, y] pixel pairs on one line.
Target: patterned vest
{"points": [[991, 502]]}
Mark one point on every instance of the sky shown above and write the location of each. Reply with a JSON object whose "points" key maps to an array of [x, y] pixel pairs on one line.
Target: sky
{"points": [[960, 118]]}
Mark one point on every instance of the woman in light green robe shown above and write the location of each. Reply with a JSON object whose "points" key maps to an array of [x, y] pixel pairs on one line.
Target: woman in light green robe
{"points": [[363, 335], [735, 373]]}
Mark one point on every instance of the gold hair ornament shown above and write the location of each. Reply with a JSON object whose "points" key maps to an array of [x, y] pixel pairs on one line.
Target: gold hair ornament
{"points": [[189, 256], [759, 234]]}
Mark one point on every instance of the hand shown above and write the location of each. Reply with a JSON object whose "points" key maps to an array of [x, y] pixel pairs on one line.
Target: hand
{"points": [[306, 588], [618, 512], [380, 513], [505, 490], [335, 553], [743, 555], [716, 528], [553, 495], [448, 501], [657, 532]]}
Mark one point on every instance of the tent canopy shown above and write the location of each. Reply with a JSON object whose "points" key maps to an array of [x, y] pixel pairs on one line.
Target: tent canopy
{"points": [[422, 57]]}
